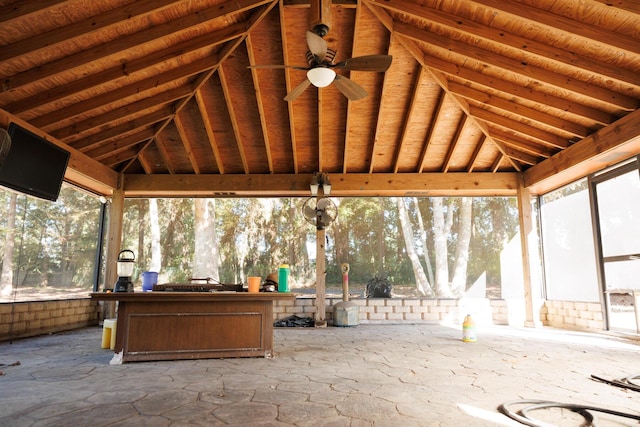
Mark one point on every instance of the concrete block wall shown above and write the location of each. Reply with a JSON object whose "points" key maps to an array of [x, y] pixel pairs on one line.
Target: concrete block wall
{"points": [[43, 317], [583, 316], [399, 310], [28, 319]]}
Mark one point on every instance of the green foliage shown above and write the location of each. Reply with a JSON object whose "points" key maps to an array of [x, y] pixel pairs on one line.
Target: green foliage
{"points": [[54, 240], [255, 236]]}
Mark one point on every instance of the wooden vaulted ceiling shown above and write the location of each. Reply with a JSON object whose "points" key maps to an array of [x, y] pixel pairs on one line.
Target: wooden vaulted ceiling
{"points": [[157, 96]]}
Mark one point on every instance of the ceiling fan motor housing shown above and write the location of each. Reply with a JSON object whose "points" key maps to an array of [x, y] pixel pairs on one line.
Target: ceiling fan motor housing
{"points": [[320, 17]]}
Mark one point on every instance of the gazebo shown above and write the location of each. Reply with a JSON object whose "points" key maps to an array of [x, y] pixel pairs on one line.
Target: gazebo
{"points": [[173, 98]]}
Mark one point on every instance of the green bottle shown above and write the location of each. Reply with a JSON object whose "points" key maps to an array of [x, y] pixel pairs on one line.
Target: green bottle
{"points": [[283, 278]]}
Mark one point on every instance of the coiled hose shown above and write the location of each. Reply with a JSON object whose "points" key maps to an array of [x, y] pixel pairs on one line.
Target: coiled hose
{"points": [[523, 417]]}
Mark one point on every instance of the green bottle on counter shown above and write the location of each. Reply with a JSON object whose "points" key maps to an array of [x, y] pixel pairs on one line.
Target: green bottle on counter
{"points": [[283, 278]]}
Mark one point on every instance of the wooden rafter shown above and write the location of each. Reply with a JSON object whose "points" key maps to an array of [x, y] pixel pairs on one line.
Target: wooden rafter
{"points": [[506, 64]]}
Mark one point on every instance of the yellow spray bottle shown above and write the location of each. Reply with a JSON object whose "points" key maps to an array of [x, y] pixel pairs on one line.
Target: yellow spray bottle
{"points": [[469, 329]]}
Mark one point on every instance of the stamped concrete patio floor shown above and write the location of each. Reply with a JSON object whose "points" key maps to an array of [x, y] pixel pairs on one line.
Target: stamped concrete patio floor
{"points": [[367, 375]]}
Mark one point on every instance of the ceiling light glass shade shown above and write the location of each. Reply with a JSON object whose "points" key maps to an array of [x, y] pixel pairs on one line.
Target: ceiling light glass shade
{"points": [[321, 77]]}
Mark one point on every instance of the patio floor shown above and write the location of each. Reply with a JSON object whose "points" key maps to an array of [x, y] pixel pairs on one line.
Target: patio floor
{"points": [[367, 375]]}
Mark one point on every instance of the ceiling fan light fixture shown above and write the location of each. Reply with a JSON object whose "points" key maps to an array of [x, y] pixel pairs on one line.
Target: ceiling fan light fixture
{"points": [[321, 76]]}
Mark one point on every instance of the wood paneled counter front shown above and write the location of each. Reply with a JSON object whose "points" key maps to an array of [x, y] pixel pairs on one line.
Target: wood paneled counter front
{"points": [[193, 325]]}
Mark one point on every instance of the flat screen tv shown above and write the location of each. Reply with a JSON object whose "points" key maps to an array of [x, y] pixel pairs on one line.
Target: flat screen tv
{"points": [[33, 165]]}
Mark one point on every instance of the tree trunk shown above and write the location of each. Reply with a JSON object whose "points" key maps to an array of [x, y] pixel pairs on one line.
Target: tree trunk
{"points": [[440, 247], [459, 279], [6, 277], [142, 227], [154, 223], [424, 241], [381, 240], [205, 262], [407, 231]]}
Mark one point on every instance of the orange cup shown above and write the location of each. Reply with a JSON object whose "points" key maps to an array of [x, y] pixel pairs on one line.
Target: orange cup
{"points": [[254, 284]]}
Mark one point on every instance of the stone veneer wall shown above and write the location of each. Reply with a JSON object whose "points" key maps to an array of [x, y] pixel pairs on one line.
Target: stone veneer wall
{"points": [[584, 316], [43, 317]]}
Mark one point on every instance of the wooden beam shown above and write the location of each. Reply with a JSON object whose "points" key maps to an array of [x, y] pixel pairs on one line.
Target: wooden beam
{"points": [[543, 137], [454, 143], [129, 42], [476, 152], [608, 146], [204, 76], [513, 108], [188, 148], [110, 18], [101, 138], [522, 144], [233, 117], [120, 94], [119, 145], [124, 71], [78, 130], [297, 185], [526, 70], [205, 115], [114, 236], [413, 104], [435, 116], [288, 85], [555, 22], [525, 47], [15, 10], [260, 103]]}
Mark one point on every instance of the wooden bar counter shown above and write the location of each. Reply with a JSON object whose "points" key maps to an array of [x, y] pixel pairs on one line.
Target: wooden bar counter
{"points": [[193, 325]]}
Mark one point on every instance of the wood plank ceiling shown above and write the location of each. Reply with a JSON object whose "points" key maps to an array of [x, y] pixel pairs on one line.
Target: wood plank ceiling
{"points": [[162, 87]]}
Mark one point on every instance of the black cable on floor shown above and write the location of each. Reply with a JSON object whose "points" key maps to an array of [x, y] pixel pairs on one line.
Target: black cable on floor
{"points": [[522, 416]]}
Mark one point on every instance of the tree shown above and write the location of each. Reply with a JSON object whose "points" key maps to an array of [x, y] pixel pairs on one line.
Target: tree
{"points": [[422, 284], [441, 229], [6, 277], [424, 241], [154, 228], [205, 263], [459, 279]]}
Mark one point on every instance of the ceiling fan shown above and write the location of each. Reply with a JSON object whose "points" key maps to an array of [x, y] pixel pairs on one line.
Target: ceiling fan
{"points": [[320, 71]]}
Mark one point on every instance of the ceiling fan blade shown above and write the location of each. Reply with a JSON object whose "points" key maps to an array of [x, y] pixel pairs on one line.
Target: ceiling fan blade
{"points": [[317, 45], [309, 212], [323, 203], [377, 63], [352, 90], [297, 91]]}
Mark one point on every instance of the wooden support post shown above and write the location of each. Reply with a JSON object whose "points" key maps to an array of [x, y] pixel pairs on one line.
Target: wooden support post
{"points": [[321, 272], [531, 290], [114, 241]]}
